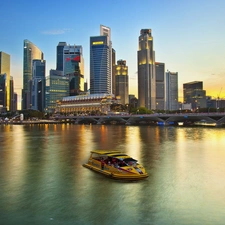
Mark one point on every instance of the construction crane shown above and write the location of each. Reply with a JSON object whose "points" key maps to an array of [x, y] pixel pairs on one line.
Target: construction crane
{"points": [[218, 96]]}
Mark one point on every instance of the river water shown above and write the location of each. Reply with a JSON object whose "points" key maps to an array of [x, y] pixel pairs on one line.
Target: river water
{"points": [[42, 180]]}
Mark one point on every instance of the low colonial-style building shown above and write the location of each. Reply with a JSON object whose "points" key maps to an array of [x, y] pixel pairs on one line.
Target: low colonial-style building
{"points": [[98, 103]]}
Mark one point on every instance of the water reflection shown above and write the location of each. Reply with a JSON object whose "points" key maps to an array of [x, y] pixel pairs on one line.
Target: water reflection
{"points": [[43, 181]]}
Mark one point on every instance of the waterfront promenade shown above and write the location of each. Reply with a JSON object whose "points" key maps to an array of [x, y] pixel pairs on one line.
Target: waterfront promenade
{"points": [[217, 119], [214, 119]]}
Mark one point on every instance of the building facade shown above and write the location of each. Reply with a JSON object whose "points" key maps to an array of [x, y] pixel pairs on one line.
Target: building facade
{"points": [[113, 71], [12, 100], [146, 70], [172, 91], [101, 62], [3, 93], [160, 86], [59, 56], [73, 67], [86, 104], [193, 93], [38, 85], [5, 69], [57, 87], [122, 85], [30, 52]]}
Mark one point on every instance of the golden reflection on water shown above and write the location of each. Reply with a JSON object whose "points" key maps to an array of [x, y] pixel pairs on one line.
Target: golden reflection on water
{"points": [[14, 160], [133, 142]]}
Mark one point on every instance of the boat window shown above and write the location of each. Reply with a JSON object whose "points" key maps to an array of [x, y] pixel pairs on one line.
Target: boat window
{"points": [[130, 159]]}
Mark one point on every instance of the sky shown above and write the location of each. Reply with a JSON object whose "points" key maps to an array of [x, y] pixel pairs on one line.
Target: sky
{"points": [[188, 35]]}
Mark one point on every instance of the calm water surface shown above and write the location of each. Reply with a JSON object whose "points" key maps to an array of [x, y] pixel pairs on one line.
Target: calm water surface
{"points": [[42, 180]]}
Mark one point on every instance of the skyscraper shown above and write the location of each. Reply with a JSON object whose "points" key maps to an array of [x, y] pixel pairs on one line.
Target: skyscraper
{"points": [[59, 55], [113, 71], [30, 52], [122, 81], [73, 67], [146, 70], [3, 92], [101, 62], [5, 69], [171, 90], [160, 85], [38, 85], [57, 87]]}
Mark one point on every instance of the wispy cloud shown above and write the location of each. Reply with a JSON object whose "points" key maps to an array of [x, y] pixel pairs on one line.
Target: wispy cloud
{"points": [[56, 31]]}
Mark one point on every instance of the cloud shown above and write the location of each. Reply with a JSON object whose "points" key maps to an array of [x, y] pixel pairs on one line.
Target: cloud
{"points": [[56, 31]]}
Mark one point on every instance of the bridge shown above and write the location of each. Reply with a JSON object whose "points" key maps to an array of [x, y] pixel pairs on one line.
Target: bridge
{"points": [[213, 119]]}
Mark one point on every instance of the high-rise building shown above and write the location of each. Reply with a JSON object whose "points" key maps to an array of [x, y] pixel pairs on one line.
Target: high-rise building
{"points": [[146, 70], [57, 87], [15, 101], [73, 67], [193, 93], [122, 82], [3, 93], [101, 62], [38, 85], [5, 69], [172, 91], [160, 85], [113, 71], [30, 52], [12, 101], [59, 55]]}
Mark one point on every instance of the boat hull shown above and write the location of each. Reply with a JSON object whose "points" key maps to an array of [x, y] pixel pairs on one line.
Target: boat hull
{"points": [[118, 176]]}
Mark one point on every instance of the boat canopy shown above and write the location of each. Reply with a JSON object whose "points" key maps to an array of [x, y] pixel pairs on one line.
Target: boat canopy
{"points": [[114, 154], [105, 152]]}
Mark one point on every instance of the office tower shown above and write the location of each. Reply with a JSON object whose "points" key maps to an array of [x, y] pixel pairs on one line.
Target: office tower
{"points": [[15, 102], [73, 67], [3, 93], [30, 52], [59, 55], [171, 91], [5, 69], [57, 87], [86, 86], [114, 71], [146, 70], [12, 94], [101, 62], [193, 93], [38, 85], [122, 81], [160, 85]]}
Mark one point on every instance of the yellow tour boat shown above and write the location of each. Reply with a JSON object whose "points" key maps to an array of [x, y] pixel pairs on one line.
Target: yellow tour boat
{"points": [[116, 164]]}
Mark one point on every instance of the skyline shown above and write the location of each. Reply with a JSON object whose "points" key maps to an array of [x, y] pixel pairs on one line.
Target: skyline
{"points": [[187, 36]]}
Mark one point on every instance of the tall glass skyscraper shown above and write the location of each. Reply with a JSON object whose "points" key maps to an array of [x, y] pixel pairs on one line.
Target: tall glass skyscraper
{"points": [[38, 85], [146, 70], [101, 62], [73, 67], [160, 85], [30, 52], [57, 87], [122, 85], [5, 69], [59, 55], [171, 91]]}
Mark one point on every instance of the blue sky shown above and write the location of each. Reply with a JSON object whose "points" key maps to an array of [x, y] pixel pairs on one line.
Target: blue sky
{"points": [[188, 34]]}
